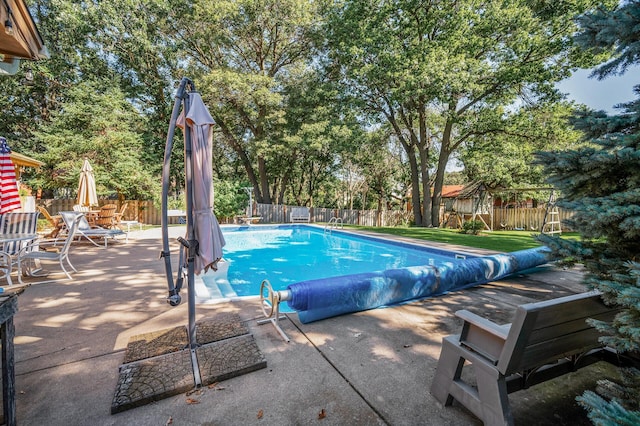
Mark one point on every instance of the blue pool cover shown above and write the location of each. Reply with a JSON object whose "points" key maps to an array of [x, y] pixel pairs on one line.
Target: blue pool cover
{"points": [[324, 298]]}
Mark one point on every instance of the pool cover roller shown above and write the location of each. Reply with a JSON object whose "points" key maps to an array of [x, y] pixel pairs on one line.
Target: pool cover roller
{"points": [[324, 298]]}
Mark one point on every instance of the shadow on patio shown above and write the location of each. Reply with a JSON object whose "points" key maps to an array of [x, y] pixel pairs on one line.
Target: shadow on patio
{"points": [[371, 367]]}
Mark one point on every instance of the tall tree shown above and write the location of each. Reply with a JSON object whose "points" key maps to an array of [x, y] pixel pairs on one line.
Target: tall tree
{"points": [[504, 160], [321, 134], [99, 124], [380, 159], [80, 56], [135, 40], [245, 53], [439, 71], [27, 104], [601, 182]]}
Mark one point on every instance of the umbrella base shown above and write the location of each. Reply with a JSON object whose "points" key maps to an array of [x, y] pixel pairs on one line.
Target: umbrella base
{"points": [[157, 365]]}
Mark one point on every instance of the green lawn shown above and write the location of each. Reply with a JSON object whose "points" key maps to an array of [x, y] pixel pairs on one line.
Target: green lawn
{"points": [[504, 241]]}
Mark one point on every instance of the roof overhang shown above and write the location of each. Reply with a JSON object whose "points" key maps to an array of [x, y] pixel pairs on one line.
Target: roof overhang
{"points": [[19, 36], [20, 160]]}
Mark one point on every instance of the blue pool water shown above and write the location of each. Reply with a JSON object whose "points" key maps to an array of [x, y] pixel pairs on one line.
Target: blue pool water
{"points": [[287, 254]]}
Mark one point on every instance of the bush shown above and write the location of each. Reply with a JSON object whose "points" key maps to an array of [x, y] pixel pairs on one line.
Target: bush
{"points": [[230, 199], [472, 227]]}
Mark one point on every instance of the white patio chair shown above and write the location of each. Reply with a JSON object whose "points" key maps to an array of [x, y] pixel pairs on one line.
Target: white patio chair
{"points": [[5, 267], [18, 223], [87, 231], [11, 223], [48, 250]]}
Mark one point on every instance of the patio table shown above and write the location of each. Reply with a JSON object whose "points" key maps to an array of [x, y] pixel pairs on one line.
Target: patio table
{"points": [[129, 224], [91, 216], [180, 214]]}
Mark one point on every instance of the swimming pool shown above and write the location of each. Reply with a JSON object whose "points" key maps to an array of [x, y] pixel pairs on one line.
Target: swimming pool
{"points": [[287, 254]]}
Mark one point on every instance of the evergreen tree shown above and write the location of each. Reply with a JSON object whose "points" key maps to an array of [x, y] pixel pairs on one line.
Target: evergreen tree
{"points": [[96, 122], [601, 183]]}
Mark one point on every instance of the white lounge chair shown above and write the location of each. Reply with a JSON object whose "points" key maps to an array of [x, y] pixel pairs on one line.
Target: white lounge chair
{"points": [[49, 250], [87, 231]]}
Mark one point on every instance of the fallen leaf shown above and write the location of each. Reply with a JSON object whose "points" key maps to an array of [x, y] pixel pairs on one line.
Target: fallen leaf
{"points": [[260, 414], [197, 391], [169, 421], [322, 414], [215, 386], [192, 401]]}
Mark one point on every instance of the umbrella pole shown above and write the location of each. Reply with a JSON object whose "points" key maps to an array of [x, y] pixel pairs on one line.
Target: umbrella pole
{"points": [[174, 298], [192, 246]]}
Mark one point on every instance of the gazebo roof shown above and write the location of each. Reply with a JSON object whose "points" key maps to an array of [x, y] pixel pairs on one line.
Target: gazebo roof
{"points": [[20, 160]]}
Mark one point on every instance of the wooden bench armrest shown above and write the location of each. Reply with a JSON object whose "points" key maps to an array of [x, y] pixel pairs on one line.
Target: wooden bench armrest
{"points": [[483, 336], [500, 331]]}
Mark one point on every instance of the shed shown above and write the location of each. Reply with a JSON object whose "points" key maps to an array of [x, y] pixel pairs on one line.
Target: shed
{"points": [[472, 202]]}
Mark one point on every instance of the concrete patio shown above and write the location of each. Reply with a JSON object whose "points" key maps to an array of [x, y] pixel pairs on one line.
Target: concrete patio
{"points": [[367, 368]]}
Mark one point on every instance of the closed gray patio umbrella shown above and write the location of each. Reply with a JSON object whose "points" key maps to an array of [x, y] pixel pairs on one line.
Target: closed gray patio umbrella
{"points": [[203, 242], [207, 230]]}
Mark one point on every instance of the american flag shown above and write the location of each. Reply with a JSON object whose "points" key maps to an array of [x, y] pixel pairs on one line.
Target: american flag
{"points": [[9, 198]]}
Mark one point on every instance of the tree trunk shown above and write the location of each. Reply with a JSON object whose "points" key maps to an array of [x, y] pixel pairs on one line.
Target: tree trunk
{"points": [[244, 158], [415, 189], [437, 187], [283, 188], [426, 190], [415, 173], [424, 144], [264, 181], [443, 159]]}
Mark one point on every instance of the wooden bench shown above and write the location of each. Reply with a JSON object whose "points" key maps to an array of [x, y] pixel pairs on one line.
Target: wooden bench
{"points": [[545, 340], [300, 214]]}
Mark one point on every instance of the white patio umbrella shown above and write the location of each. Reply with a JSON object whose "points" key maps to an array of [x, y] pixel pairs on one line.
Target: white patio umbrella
{"points": [[9, 197], [206, 228], [87, 195]]}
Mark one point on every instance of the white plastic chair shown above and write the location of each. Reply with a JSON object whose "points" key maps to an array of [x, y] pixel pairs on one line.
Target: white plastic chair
{"points": [[5, 267], [87, 231], [49, 251], [18, 223]]}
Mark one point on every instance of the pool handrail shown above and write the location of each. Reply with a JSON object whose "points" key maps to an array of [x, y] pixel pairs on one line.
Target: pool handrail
{"points": [[333, 224]]}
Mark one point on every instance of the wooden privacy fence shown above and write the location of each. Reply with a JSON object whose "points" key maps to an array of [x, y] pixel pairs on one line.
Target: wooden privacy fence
{"points": [[142, 211], [146, 212], [272, 213], [526, 219]]}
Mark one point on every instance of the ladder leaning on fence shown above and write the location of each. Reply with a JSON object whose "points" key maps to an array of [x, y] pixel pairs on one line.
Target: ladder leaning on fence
{"points": [[551, 221]]}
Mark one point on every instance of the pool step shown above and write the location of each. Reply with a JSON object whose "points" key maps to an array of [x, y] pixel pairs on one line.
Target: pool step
{"points": [[217, 286]]}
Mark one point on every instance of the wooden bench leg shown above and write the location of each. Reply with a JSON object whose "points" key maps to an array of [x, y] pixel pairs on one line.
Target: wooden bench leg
{"points": [[492, 391], [448, 370], [488, 399]]}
